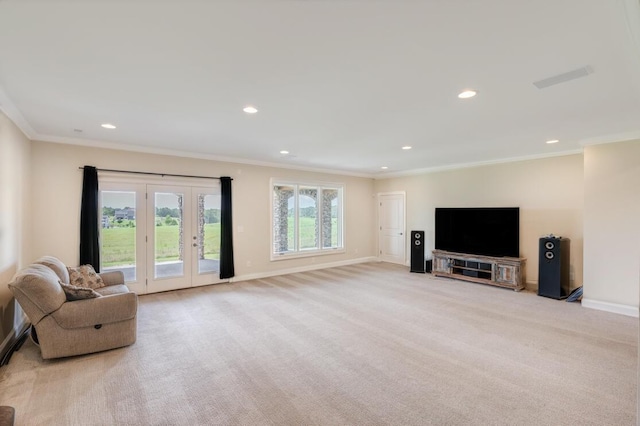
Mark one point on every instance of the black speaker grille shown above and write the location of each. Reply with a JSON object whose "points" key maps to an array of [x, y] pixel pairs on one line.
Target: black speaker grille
{"points": [[554, 267], [417, 252]]}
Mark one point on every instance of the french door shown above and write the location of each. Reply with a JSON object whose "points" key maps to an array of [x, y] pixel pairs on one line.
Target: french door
{"points": [[163, 237]]}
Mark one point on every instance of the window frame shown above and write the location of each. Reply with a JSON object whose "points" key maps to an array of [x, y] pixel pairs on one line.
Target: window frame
{"points": [[308, 252]]}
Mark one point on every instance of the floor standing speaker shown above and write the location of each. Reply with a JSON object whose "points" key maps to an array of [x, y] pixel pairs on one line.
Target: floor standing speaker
{"points": [[417, 251], [553, 267]]}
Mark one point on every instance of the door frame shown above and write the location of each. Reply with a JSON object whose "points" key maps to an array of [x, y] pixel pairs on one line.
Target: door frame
{"points": [[404, 222], [113, 181]]}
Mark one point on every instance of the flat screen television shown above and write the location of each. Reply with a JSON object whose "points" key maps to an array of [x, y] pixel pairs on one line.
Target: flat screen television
{"points": [[489, 231]]}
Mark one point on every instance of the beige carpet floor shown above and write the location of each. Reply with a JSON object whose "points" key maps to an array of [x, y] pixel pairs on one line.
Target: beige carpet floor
{"points": [[368, 344]]}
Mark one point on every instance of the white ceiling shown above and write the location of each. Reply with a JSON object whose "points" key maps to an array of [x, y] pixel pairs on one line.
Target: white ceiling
{"points": [[341, 84]]}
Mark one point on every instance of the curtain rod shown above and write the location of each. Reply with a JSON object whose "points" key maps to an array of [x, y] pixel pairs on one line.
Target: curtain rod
{"points": [[154, 174]]}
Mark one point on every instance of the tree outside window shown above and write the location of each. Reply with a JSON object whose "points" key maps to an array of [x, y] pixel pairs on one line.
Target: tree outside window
{"points": [[307, 218]]}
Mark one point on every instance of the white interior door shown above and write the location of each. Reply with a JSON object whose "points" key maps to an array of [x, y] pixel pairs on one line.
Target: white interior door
{"points": [[392, 238]]}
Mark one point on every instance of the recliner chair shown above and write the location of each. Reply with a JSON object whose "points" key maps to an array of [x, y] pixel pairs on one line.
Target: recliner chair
{"points": [[66, 328]]}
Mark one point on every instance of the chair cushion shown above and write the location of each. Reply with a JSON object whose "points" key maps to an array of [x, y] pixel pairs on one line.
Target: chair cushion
{"points": [[112, 289], [85, 276], [101, 310], [56, 266], [78, 293], [112, 277]]}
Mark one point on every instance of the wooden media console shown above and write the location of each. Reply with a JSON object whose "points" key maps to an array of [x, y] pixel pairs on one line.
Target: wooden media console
{"points": [[506, 272]]}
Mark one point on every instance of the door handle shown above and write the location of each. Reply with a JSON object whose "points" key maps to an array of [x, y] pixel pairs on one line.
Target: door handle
{"points": [[400, 233]]}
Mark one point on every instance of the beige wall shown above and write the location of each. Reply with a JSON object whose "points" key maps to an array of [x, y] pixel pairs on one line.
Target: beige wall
{"points": [[14, 208], [612, 223], [548, 191], [57, 185]]}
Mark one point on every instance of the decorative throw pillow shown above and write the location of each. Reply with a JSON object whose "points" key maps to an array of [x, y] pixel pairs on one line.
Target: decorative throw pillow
{"points": [[78, 293], [85, 276]]}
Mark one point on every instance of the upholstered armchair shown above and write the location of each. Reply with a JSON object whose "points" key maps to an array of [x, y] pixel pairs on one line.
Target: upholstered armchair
{"points": [[67, 327]]}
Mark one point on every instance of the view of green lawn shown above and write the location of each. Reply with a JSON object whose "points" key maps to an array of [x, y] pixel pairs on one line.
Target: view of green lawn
{"points": [[307, 232], [118, 244]]}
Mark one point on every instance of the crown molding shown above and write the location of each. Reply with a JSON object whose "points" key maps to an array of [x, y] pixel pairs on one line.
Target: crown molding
{"points": [[618, 137], [10, 110], [457, 166], [188, 154]]}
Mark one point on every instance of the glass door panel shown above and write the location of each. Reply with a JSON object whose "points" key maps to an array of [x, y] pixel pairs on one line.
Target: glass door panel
{"points": [[169, 235], [206, 235], [169, 219], [118, 240], [121, 236]]}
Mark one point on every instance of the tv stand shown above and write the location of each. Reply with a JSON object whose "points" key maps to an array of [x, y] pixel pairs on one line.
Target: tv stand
{"points": [[499, 271]]}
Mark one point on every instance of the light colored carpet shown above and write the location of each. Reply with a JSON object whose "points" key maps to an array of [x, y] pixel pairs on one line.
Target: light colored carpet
{"points": [[368, 344]]}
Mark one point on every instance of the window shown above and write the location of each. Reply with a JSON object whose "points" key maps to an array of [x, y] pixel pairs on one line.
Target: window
{"points": [[307, 219]]}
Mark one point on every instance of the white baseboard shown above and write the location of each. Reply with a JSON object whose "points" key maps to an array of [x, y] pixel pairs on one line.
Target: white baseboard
{"points": [[305, 268], [628, 310]]}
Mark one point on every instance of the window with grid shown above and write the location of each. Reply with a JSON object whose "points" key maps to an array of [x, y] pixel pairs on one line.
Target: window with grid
{"points": [[307, 218]]}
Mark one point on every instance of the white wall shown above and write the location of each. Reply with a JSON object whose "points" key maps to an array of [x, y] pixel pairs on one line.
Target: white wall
{"points": [[57, 185], [14, 208], [612, 223], [548, 191]]}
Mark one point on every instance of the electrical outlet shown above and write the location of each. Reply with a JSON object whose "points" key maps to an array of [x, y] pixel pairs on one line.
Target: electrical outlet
{"points": [[249, 263]]}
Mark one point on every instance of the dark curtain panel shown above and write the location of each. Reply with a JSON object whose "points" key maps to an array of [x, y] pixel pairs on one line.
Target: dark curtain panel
{"points": [[89, 220], [226, 230]]}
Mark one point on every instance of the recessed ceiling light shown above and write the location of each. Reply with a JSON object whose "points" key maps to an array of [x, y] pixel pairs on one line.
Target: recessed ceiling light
{"points": [[108, 126], [384, 167], [553, 141], [284, 152], [250, 109], [467, 94], [406, 147]]}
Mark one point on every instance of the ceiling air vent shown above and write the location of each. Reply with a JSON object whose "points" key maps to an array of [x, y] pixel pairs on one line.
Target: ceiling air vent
{"points": [[562, 78]]}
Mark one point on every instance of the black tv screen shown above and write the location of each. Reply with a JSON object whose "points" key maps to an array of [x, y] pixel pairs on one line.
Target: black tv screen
{"points": [[489, 231]]}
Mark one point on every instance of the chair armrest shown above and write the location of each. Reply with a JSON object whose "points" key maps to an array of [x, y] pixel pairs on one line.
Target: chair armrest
{"points": [[101, 310], [112, 277]]}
